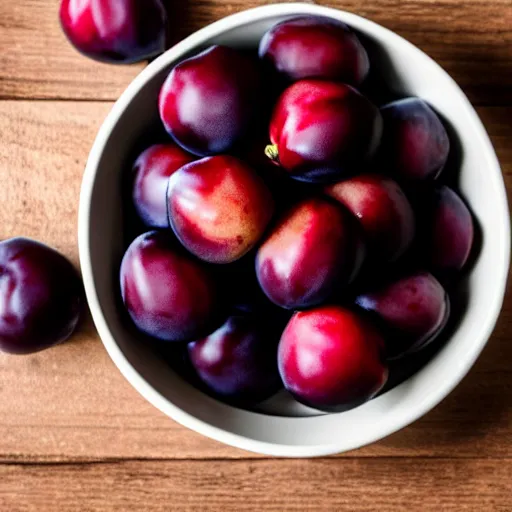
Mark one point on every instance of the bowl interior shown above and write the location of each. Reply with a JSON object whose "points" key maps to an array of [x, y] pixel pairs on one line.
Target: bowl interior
{"points": [[281, 426]]}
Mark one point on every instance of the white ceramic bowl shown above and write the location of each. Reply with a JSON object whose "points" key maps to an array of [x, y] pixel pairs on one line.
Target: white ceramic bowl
{"points": [[283, 428]]}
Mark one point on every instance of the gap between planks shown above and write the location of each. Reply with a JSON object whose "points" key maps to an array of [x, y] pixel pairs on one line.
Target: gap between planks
{"points": [[249, 458]]}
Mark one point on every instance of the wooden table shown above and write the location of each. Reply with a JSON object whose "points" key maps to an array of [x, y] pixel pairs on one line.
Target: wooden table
{"points": [[74, 435]]}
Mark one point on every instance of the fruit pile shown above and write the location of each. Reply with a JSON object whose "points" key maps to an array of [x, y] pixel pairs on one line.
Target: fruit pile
{"points": [[299, 234]]}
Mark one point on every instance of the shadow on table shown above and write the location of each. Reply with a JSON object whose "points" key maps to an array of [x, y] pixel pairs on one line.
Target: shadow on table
{"points": [[182, 20]]}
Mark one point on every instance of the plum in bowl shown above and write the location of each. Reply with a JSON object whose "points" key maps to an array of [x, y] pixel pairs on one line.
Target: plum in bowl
{"points": [[281, 425]]}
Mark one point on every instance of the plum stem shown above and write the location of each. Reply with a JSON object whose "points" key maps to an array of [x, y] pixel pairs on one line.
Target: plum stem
{"points": [[272, 152]]}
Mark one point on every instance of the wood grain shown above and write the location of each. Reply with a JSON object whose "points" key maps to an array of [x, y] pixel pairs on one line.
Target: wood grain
{"points": [[75, 436], [472, 40], [71, 403], [355, 485]]}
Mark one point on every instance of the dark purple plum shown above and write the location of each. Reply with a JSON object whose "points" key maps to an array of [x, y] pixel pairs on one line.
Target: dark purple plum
{"points": [[383, 210], [40, 296], [315, 47], [314, 249], [168, 295], [115, 31], [321, 131], [208, 102], [238, 362], [449, 233], [332, 358], [415, 144], [219, 208], [151, 177], [413, 310]]}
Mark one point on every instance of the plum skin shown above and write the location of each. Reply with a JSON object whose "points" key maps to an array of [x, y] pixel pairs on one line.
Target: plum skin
{"points": [[332, 359], [40, 296], [321, 131], [450, 233], [314, 249], [137, 31], [315, 47], [219, 77], [415, 144], [151, 172], [413, 310], [218, 208], [168, 295], [238, 361], [383, 210]]}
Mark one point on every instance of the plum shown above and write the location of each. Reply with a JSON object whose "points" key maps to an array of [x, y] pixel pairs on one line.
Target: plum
{"points": [[40, 296], [332, 358], [208, 102], [321, 131], [383, 210], [413, 310], [116, 31], [315, 47], [151, 177], [415, 144], [449, 233], [238, 362], [167, 294], [314, 250], [218, 208]]}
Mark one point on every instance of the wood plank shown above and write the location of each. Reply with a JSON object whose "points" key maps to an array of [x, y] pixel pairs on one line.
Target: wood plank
{"points": [[473, 42], [71, 403], [42, 156], [380, 485]]}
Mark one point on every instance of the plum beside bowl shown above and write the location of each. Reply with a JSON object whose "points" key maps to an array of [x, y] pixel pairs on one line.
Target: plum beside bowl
{"points": [[280, 426]]}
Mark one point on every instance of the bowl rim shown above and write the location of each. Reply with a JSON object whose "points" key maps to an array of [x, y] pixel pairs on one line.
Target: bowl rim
{"points": [[113, 349]]}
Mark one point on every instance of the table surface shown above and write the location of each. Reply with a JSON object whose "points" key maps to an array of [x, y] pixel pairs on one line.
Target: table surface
{"points": [[74, 435]]}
